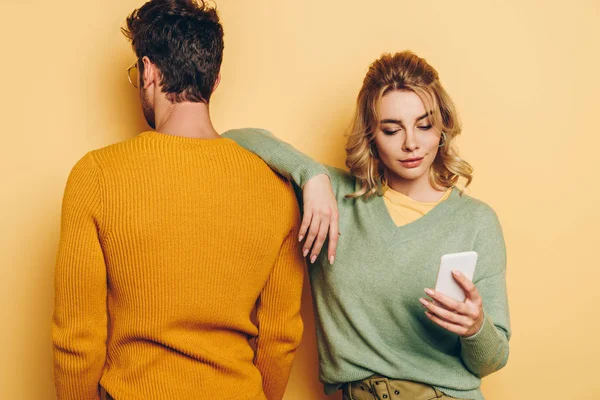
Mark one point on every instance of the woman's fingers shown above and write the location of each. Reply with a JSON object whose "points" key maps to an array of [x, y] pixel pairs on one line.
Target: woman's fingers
{"points": [[305, 223], [333, 238], [321, 236], [468, 315], [447, 302], [467, 286], [445, 314], [320, 219], [313, 231], [459, 330]]}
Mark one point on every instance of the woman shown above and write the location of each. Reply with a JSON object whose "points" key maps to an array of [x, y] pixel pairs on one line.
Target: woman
{"points": [[400, 210]]}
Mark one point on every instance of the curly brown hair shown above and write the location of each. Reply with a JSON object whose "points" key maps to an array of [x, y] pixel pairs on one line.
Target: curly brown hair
{"points": [[184, 39]]}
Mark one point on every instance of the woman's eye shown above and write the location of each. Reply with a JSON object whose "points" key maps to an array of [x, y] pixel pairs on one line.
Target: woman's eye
{"points": [[390, 132], [425, 127]]}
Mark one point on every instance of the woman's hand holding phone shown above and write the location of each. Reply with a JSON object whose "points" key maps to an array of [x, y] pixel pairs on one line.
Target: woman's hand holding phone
{"points": [[463, 318]]}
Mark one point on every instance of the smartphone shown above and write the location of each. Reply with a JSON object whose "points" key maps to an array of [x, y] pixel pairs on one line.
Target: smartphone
{"points": [[463, 262]]}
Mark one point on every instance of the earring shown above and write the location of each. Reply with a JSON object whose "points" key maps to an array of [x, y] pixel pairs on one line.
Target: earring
{"points": [[443, 139]]}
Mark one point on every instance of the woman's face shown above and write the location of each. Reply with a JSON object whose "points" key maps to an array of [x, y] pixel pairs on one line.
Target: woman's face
{"points": [[406, 141]]}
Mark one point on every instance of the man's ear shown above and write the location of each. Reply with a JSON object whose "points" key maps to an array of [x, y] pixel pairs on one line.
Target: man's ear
{"points": [[217, 81], [150, 72]]}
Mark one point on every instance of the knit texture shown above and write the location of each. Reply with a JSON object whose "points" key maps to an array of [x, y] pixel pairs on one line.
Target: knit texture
{"points": [[369, 319], [168, 245]]}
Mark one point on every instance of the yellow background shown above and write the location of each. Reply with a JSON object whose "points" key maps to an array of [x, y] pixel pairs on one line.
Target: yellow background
{"points": [[524, 74]]}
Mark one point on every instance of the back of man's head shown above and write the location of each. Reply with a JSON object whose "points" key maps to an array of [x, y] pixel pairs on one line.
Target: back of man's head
{"points": [[184, 39]]}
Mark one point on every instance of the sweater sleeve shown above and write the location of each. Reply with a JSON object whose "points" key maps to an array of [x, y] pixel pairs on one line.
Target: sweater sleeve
{"points": [[487, 350], [79, 326], [279, 322], [282, 157]]}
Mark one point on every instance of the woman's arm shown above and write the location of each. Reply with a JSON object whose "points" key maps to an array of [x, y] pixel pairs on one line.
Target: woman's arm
{"points": [[482, 321], [487, 350], [319, 185], [279, 155]]}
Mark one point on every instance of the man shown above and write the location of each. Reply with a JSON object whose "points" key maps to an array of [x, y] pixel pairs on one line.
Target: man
{"points": [[171, 239]]}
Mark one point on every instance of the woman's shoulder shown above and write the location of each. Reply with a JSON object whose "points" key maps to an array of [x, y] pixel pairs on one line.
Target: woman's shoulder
{"points": [[338, 173], [342, 181], [478, 210]]}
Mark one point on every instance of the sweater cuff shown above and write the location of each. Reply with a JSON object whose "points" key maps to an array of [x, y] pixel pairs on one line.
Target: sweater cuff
{"points": [[312, 171], [483, 342]]}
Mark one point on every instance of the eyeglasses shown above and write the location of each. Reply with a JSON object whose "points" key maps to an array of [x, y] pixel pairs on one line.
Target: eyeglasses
{"points": [[133, 74]]}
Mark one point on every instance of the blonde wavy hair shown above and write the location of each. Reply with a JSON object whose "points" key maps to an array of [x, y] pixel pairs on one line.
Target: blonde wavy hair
{"points": [[403, 71]]}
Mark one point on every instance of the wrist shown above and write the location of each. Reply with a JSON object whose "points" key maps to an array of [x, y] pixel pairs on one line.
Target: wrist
{"points": [[477, 328]]}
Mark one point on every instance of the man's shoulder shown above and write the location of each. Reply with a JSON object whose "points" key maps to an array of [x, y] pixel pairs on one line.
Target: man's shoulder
{"points": [[252, 161], [123, 148], [263, 175], [266, 183], [238, 161]]}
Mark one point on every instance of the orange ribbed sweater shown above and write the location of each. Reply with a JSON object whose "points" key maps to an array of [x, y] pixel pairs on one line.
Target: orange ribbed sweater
{"points": [[167, 245]]}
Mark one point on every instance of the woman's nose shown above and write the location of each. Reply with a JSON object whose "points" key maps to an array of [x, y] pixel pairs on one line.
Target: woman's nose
{"points": [[410, 143]]}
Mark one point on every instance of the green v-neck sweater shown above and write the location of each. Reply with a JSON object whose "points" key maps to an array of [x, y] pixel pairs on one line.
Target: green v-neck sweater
{"points": [[368, 316]]}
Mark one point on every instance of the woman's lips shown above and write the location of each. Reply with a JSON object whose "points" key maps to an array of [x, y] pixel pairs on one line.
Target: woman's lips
{"points": [[411, 162]]}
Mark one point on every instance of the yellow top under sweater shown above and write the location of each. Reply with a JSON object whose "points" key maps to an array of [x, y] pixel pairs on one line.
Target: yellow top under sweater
{"points": [[403, 210]]}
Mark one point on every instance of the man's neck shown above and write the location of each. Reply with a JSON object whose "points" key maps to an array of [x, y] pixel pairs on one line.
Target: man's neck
{"points": [[185, 119]]}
